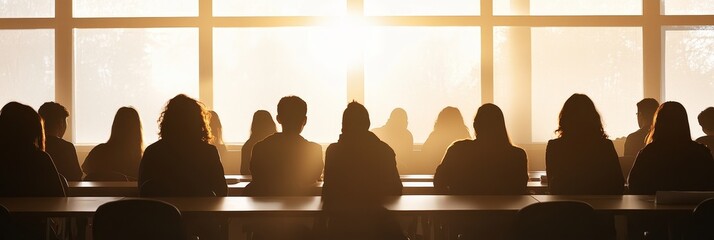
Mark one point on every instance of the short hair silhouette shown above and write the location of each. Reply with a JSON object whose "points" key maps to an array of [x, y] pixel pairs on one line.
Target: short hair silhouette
{"points": [[706, 119], [216, 127], [398, 118], [126, 128], [355, 118], [449, 118], [20, 125], [580, 119], [292, 111], [262, 124], [184, 119], [670, 124], [53, 114], [647, 108], [490, 125]]}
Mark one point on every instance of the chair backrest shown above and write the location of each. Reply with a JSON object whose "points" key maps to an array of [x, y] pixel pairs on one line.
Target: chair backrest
{"points": [[138, 219], [557, 220], [5, 223], [703, 221]]}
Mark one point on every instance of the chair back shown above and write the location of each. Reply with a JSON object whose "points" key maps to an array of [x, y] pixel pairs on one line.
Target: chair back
{"points": [[138, 219], [5, 224], [557, 220], [703, 221]]}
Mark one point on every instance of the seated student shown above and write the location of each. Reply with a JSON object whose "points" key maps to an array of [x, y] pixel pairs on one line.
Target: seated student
{"points": [[62, 152], [645, 113], [671, 160], [261, 127], [217, 133], [285, 163], [706, 120], [448, 128], [27, 171], [489, 164], [353, 202], [183, 163], [582, 160], [396, 135], [117, 159]]}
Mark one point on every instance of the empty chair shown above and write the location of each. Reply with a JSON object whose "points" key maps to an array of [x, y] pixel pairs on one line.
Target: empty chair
{"points": [[137, 219], [557, 220], [703, 221]]}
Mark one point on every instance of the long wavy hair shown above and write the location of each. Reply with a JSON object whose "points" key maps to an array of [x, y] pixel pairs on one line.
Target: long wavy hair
{"points": [[185, 119], [490, 125], [670, 124], [126, 130], [579, 119], [21, 126]]}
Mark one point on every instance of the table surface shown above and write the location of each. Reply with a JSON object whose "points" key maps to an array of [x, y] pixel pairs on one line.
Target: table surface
{"points": [[619, 203]]}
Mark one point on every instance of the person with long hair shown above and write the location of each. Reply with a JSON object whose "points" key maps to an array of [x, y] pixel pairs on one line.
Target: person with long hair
{"points": [[448, 128], [582, 160], [217, 133], [671, 160], [489, 164], [118, 159], [396, 134], [261, 127], [183, 163], [27, 171]]}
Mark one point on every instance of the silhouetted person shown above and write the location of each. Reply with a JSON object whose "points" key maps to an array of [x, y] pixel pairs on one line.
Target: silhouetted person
{"points": [[706, 120], [285, 163], [645, 114], [118, 159], [449, 127], [489, 164], [261, 127], [397, 136], [217, 133], [671, 160], [582, 160], [183, 162], [27, 171], [360, 171], [62, 152]]}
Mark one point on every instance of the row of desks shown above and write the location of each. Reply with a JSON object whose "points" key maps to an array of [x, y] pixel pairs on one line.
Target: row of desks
{"points": [[425, 205], [532, 176]]}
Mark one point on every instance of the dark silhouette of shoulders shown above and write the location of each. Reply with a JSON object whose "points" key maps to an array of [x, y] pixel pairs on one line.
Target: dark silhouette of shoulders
{"points": [[583, 167], [106, 163], [682, 166], [29, 173], [635, 142], [64, 156], [707, 141], [474, 167]]}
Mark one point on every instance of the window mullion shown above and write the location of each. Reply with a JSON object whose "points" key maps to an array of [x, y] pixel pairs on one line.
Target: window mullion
{"points": [[64, 65], [205, 52]]}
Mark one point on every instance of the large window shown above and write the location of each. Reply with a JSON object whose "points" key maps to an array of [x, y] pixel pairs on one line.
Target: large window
{"points": [[527, 56]]}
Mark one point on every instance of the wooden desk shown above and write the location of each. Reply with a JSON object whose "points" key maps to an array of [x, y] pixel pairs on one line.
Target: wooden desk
{"points": [[532, 175], [621, 204]]}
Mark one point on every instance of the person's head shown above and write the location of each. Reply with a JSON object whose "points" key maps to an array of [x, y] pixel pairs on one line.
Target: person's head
{"points": [[126, 129], [706, 120], [579, 119], [292, 114], [184, 119], [646, 109], [355, 118], [262, 125], [398, 118], [670, 124], [449, 119], [55, 118], [216, 128], [20, 125], [490, 126]]}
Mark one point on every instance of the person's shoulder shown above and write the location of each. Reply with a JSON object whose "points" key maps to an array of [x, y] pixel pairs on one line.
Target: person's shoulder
{"points": [[464, 143]]}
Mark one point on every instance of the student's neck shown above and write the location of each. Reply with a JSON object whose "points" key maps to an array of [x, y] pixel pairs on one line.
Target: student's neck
{"points": [[291, 131]]}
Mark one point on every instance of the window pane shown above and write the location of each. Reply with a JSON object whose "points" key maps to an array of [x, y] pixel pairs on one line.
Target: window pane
{"points": [[689, 71], [27, 9], [135, 8], [423, 70], [688, 7], [142, 68], [279, 7], [567, 7], [603, 62], [27, 66], [422, 7], [255, 67]]}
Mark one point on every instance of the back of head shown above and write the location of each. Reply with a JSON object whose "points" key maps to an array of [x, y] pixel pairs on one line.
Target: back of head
{"points": [[126, 129], [706, 119], [490, 125], [21, 126], [450, 120], [398, 118], [579, 119], [216, 127], [292, 111], [53, 115], [646, 109], [262, 125], [670, 124], [355, 118], [184, 119]]}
